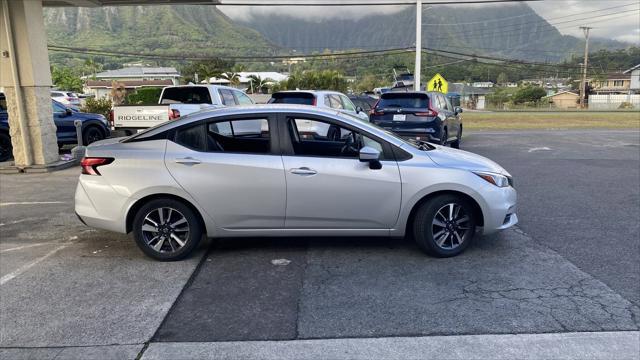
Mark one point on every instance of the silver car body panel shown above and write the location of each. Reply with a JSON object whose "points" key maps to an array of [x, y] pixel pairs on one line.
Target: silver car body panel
{"points": [[284, 195]]}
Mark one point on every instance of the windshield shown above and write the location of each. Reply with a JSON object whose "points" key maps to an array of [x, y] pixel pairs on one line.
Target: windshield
{"points": [[417, 144], [400, 100]]}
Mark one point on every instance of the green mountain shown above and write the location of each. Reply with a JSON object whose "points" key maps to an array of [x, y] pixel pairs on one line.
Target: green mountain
{"points": [[514, 31], [165, 29]]}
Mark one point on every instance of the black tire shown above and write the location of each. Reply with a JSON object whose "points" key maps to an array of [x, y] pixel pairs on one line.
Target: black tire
{"points": [[6, 149], [92, 134], [428, 235], [456, 143], [169, 249], [444, 138]]}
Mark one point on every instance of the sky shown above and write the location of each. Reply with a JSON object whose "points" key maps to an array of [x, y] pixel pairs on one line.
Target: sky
{"points": [[621, 26]]}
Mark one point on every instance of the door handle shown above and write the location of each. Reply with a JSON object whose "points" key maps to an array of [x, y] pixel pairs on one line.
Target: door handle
{"points": [[188, 161], [303, 171]]}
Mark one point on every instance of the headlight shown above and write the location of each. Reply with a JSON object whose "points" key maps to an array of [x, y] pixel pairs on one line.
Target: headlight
{"points": [[495, 179]]}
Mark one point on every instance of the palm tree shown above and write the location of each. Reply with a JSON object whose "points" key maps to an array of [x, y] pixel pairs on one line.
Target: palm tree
{"points": [[92, 67], [256, 83], [232, 77]]}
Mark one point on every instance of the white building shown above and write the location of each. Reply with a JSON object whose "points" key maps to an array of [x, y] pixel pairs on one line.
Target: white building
{"points": [[635, 79], [270, 77], [131, 77]]}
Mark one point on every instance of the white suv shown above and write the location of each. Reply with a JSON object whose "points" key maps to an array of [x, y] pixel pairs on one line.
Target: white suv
{"points": [[66, 97], [320, 98]]}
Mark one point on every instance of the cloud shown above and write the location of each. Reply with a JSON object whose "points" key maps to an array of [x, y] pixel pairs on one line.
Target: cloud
{"points": [[558, 11]]}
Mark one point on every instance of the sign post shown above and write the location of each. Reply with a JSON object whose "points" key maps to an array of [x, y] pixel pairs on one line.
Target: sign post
{"points": [[438, 83]]}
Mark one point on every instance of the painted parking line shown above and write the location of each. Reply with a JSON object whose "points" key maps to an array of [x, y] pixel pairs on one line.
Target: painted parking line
{"points": [[32, 203], [28, 266], [25, 247]]}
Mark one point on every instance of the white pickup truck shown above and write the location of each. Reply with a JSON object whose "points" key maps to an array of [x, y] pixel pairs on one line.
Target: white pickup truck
{"points": [[175, 101]]}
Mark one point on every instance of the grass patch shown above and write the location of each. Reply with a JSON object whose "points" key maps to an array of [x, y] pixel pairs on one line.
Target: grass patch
{"points": [[558, 120]]}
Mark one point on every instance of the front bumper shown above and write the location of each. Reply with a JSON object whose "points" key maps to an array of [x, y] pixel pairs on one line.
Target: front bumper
{"points": [[500, 209]]}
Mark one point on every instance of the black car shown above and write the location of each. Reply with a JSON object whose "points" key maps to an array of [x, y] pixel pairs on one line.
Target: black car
{"points": [[365, 102], [427, 116]]}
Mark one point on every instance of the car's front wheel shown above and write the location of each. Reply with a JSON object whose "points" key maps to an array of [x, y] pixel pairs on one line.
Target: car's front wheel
{"points": [[91, 135], [166, 229], [444, 226]]}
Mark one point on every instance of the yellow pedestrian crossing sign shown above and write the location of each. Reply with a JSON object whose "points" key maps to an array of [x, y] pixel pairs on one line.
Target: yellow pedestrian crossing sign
{"points": [[438, 83]]}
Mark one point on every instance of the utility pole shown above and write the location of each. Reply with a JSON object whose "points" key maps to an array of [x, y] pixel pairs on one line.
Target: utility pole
{"points": [[416, 73], [583, 83]]}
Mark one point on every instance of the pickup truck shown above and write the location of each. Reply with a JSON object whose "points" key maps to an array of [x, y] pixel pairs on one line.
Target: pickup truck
{"points": [[175, 101]]}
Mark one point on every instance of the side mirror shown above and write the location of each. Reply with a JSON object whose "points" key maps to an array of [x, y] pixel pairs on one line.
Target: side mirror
{"points": [[359, 110], [457, 110], [372, 156], [68, 112]]}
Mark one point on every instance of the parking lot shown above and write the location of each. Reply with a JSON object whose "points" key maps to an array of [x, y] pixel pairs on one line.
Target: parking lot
{"points": [[570, 266]]}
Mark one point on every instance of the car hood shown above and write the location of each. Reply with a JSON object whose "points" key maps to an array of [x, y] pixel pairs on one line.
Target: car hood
{"points": [[459, 159], [87, 116]]}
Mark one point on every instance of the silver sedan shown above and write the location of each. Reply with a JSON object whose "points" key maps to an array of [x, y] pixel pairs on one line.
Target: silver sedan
{"points": [[279, 170]]}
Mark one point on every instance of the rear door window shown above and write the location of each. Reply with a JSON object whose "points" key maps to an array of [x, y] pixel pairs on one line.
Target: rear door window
{"points": [[239, 136], [227, 97], [292, 98], [400, 100]]}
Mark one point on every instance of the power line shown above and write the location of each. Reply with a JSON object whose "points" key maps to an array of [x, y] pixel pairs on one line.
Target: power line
{"points": [[365, 3]]}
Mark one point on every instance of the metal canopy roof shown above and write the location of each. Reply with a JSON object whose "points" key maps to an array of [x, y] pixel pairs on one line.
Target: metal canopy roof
{"points": [[94, 3]]}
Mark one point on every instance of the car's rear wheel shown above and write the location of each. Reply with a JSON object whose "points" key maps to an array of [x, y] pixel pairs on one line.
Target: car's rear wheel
{"points": [[166, 229], [444, 226], [445, 136], [456, 143], [6, 149], [91, 135]]}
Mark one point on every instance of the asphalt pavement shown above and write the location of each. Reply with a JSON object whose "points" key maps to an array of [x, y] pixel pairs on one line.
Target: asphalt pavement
{"points": [[571, 266]]}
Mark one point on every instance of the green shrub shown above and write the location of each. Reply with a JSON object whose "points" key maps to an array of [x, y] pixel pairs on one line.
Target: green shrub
{"points": [[144, 96], [97, 106], [529, 94]]}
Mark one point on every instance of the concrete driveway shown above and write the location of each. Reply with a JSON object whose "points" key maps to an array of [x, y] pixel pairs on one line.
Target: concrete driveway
{"points": [[70, 291]]}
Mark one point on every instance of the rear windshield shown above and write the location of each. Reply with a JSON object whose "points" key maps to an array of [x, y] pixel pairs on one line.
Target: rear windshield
{"points": [[292, 98], [186, 95], [401, 100]]}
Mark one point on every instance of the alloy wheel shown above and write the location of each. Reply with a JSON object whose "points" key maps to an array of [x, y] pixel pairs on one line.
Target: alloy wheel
{"points": [[450, 226], [165, 230]]}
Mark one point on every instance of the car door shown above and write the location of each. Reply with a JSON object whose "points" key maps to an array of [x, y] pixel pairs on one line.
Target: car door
{"points": [[451, 120], [65, 129], [327, 186], [233, 169]]}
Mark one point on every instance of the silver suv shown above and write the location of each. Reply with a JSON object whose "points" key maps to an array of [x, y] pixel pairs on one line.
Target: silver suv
{"points": [[281, 170], [320, 98]]}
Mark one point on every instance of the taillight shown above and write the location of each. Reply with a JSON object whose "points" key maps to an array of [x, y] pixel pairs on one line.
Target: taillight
{"points": [[90, 164], [314, 102], [112, 120], [375, 111], [174, 114], [431, 113]]}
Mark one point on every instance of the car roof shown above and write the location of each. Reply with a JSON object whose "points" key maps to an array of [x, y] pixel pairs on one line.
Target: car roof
{"points": [[210, 113]]}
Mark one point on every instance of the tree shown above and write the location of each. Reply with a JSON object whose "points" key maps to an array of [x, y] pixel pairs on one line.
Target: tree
{"points": [[66, 79], [528, 94], [502, 78], [232, 77], [205, 69], [118, 93], [91, 67], [258, 84]]}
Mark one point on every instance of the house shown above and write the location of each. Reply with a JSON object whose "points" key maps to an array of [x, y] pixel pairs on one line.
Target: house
{"points": [[483, 84], [131, 77], [269, 77], [564, 100], [102, 88], [634, 85], [613, 83], [470, 97]]}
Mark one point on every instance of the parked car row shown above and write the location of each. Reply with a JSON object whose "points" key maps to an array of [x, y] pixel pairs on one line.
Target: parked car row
{"points": [[94, 127]]}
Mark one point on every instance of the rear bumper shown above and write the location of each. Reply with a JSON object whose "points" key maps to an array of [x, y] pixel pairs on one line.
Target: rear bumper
{"points": [[101, 210]]}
